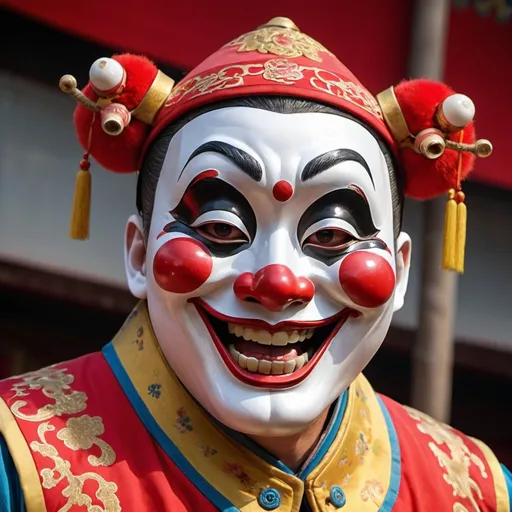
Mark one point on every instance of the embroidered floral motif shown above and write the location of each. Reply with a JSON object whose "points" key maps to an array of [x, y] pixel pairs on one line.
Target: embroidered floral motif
{"points": [[344, 458], [53, 383], [207, 450], [155, 390], [360, 393], [283, 71], [139, 341], [361, 447], [183, 421], [276, 70], [74, 492], [457, 463], [279, 41], [82, 434], [238, 471], [374, 491]]}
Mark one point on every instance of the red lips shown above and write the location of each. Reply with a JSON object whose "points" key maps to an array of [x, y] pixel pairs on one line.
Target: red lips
{"points": [[275, 287]]}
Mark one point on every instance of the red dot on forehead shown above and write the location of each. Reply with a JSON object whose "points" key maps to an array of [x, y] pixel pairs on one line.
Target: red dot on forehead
{"points": [[182, 265], [282, 191]]}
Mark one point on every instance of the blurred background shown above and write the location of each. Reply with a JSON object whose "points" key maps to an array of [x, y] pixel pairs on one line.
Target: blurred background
{"points": [[61, 298]]}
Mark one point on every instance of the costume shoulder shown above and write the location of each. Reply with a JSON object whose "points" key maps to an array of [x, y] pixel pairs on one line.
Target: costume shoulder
{"points": [[33, 407], [438, 460]]}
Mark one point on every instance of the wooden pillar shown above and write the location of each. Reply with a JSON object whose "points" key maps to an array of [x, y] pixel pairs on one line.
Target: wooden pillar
{"points": [[433, 351]]}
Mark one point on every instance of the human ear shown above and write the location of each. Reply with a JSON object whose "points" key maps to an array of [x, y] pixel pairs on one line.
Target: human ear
{"points": [[135, 257], [403, 264]]}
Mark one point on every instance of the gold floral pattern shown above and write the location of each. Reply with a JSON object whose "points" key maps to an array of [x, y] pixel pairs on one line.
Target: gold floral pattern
{"points": [[53, 383], [282, 70], [279, 71], [74, 492], [457, 463], [279, 41], [82, 434], [374, 491]]}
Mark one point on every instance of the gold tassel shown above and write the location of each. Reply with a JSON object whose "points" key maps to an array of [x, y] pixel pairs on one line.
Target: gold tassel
{"points": [[450, 233], [79, 228], [460, 247]]}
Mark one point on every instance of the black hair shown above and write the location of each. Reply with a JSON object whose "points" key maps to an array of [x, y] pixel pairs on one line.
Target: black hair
{"points": [[154, 159]]}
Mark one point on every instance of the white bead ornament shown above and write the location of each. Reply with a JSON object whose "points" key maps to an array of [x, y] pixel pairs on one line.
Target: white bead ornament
{"points": [[106, 75], [458, 110]]}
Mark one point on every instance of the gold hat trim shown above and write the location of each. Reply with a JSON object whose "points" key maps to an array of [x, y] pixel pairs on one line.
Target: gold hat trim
{"points": [[393, 115], [154, 99]]}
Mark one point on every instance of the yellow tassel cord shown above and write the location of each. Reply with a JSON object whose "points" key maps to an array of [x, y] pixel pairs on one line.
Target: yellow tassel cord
{"points": [[81, 214], [460, 247], [450, 232], [454, 241], [79, 228]]}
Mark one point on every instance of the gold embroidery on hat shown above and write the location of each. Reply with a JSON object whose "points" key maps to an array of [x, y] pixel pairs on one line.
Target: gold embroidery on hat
{"points": [[80, 433], [281, 42], [280, 71], [456, 463]]}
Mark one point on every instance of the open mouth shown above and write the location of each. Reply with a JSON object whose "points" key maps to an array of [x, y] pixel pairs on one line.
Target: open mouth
{"points": [[267, 355]]}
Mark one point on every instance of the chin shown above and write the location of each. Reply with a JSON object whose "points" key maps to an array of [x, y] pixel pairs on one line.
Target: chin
{"points": [[334, 351]]}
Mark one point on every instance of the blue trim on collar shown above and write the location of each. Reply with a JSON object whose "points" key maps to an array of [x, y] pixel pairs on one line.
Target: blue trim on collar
{"points": [[329, 437], [159, 435], [321, 450], [396, 469]]}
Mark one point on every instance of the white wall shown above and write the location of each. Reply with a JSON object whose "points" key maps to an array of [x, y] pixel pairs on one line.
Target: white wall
{"points": [[39, 159]]}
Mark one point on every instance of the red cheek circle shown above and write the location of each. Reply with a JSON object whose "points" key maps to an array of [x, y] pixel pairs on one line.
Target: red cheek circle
{"points": [[182, 265], [367, 279], [282, 191]]}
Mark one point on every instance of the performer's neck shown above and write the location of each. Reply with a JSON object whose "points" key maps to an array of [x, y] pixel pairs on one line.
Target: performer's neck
{"points": [[294, 450]]}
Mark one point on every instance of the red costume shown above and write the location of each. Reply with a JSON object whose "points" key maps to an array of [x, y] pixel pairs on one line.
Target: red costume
{"points": [[117, 430]]}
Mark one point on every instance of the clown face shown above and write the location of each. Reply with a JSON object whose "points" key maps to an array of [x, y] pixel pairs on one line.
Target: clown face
{"points": [[271, 269]]}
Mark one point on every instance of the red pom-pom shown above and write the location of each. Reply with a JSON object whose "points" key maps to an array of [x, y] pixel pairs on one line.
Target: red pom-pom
{"points": [[118, 153], [424, 178]]}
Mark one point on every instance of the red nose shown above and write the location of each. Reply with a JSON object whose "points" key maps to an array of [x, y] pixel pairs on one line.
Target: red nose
{"points": [[275, 287]]}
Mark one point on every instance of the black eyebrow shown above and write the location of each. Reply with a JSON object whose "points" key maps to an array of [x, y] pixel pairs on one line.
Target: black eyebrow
{"points": [[239, 157], [327, 160]]}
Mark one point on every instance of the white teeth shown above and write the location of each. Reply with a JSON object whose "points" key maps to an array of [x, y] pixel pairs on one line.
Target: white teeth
{"points": [[266, 367], [252, 364], [280, 338]]}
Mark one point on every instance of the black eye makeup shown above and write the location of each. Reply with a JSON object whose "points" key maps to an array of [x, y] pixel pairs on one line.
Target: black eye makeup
{"points": [[331, 241], [217, 214]]}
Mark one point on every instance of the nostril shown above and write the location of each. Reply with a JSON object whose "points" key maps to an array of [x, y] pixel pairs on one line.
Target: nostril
{"points": [[297, 303], [252, 299]]}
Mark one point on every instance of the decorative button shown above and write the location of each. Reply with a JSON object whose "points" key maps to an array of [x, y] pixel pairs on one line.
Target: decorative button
{"points": [[270, 499], [337, 496]]}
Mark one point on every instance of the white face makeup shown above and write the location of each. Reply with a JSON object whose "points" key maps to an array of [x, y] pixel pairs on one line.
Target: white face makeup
{"points": [[271, 275]]}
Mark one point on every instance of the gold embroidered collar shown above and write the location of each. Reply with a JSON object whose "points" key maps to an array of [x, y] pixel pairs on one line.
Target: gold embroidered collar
{"points": [[361, 461]]}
